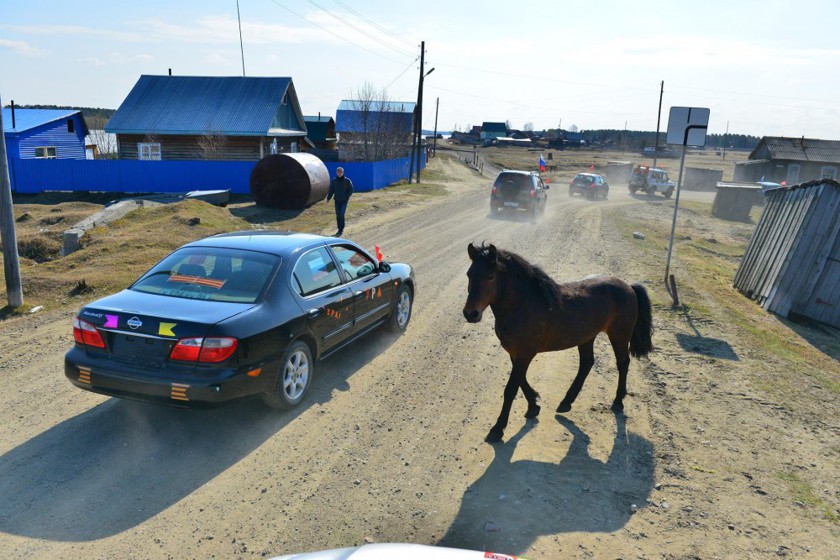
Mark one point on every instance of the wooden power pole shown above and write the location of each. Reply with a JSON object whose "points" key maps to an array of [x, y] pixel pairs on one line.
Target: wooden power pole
{"points": [[11, 260]]}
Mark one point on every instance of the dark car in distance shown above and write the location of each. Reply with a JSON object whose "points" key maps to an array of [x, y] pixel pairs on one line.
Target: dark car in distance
{"points": [[233, 315], [518, 190], [590, 185]]}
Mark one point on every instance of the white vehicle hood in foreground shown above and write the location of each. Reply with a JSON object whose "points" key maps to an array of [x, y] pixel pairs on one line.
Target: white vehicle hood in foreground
{"points": [[392, 551]]}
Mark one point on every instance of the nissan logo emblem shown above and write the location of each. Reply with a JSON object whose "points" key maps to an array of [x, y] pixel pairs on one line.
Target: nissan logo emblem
{"points": [[135, 323]]}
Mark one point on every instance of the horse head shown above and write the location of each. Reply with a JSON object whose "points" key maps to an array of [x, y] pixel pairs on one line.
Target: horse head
{"points": [[483, 286]]}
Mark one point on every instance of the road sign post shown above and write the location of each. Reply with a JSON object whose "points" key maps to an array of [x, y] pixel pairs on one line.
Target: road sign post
{"points": [[687, 127]]}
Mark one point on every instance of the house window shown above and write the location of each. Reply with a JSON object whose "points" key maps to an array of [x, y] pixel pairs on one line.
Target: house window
{"points": [[71, 126], [148, 151], [828, 172], [793, 174], [45, 152]]}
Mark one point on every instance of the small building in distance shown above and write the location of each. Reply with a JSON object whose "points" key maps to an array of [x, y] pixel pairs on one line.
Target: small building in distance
{"points": [[321, 131], [44, 133], [203, 117], [371, 130], [790, 160], [490, 130]]}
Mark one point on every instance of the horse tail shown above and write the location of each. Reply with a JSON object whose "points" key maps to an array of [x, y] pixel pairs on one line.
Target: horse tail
{"points": [[641, 342]]}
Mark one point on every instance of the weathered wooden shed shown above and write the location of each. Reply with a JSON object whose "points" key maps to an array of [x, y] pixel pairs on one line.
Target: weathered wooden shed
{"points": [[790, 160], [792, 262]]}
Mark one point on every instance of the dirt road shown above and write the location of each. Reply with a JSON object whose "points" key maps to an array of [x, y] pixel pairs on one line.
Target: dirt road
{"points": [[389, 446]]}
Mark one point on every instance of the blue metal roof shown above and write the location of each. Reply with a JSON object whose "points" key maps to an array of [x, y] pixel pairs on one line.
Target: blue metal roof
{"points": [[27, 119], [395, 116], [232, 106], [316, 119]]}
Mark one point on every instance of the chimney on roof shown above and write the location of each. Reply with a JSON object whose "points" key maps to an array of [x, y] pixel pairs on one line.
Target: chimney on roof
{"points": [[802, 142], [170, 71], [13, 113]]}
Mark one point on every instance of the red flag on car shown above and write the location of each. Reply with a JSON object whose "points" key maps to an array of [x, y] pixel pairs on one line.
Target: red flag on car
{"points": [[378, 253]]}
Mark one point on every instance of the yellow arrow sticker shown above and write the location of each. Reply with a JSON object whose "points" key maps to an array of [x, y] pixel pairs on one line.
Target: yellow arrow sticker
{"points": [[165, 329]]}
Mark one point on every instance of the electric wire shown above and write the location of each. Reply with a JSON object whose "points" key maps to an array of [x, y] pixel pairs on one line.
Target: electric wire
{"points": [[360, 30]]}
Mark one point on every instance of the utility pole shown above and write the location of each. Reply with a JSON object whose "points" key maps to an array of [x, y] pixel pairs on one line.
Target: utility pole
{"points": [[725, 140], [11, 260], [434, 142], [658, 118], [241, 48], [414, 133], [420, 105]]}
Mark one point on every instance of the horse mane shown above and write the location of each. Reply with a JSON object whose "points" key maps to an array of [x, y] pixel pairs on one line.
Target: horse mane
{"points": [[533, 274]]}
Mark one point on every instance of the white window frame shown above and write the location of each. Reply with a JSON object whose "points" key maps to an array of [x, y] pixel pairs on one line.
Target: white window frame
{"points": [[828, 172], [46, 150], [148, 151]]}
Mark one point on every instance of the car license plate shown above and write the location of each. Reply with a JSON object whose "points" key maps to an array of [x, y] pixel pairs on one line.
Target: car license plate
{"points": [[512, 204]]}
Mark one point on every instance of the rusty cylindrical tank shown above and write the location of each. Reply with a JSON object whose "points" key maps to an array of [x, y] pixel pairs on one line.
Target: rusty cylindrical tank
{"points": [[289, 181]]}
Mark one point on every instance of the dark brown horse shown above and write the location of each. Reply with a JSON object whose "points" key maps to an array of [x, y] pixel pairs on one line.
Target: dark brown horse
{"points": [[536, 314]]}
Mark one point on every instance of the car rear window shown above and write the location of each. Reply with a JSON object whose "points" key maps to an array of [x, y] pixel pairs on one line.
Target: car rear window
{"points": [[518, 179], [212, 274]]}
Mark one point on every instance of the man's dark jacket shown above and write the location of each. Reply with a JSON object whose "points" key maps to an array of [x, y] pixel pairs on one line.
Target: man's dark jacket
{"points": [[341, 189]]}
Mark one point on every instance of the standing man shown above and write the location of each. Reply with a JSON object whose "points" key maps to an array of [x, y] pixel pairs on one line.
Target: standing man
{"points": [[341, 188]]}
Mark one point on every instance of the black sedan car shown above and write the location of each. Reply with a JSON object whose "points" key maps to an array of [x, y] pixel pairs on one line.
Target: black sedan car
{"points": [[233, 315], [590, 185]]}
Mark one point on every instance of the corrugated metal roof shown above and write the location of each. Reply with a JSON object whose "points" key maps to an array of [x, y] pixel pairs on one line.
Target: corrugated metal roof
{"points": [[232, 106], [377, 106], [800, 149], [27, 119], [494, 127]]}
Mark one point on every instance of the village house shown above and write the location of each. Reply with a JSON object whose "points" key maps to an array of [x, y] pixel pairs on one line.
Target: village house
{"points": [[790, 160], [44, 133], [215, 118]]}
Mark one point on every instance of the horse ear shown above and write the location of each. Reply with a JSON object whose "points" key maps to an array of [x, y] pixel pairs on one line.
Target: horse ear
{"points": [[471, 251], [491, 250]]}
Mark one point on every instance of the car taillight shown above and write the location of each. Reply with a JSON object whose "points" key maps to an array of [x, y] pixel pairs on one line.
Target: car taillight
{"points": [[86, 334], [493, 192], [206, 350]]}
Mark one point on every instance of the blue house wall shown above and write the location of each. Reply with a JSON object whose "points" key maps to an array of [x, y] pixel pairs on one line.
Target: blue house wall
{"points": [[68, 145]]}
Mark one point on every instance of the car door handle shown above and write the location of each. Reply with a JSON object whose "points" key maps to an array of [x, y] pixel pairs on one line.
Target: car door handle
{"points": [[312, 313]]}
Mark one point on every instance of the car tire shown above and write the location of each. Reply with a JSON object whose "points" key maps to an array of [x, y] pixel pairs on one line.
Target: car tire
{"points": [[403, 306], [632, 190], [668, 193], [294, 378]]}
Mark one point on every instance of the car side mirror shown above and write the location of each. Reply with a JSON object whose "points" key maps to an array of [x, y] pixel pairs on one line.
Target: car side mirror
{"points": [[546, 186], [384, 267]]}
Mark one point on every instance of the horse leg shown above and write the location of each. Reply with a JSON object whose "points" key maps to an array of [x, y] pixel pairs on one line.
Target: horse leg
{"points": [[517, 375], [622, 360], [587, 360], [532, 397]]}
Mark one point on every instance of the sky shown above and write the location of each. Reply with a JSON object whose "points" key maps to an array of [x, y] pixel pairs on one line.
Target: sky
{"points": [[769, 68]]}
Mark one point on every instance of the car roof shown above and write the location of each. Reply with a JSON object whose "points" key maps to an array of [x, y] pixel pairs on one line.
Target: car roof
{"points": [[280, 243], [518, 172], [589, 175]]}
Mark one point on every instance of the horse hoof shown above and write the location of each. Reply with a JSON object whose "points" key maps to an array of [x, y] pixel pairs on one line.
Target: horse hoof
{"points": [[494, 435], [533, 411], [564, 407]]}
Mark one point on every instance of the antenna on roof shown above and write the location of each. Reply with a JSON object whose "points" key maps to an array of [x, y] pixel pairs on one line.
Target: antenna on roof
{"points": [[241, 49]]}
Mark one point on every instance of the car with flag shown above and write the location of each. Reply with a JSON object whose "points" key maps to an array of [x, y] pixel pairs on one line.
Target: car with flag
{"points": [[235, 315], [518, 190]]}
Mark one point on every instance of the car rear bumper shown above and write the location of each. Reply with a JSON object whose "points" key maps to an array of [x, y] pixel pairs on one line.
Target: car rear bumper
{"points": [[119, 380]]}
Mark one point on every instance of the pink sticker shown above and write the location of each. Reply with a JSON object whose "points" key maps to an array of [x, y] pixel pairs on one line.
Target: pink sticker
{"points": [[111, 321]]}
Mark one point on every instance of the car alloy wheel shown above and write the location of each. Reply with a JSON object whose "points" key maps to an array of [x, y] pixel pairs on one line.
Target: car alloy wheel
{"points": [[294, 378], [402, 309]]}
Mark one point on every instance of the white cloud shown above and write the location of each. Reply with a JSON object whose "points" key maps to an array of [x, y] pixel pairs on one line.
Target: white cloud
{"points": [[92, 61], [22, 48]]}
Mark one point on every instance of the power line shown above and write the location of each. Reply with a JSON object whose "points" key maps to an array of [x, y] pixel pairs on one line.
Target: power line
{"points": [[360, 30], [374, 24], [401, 73], [335, 34]]}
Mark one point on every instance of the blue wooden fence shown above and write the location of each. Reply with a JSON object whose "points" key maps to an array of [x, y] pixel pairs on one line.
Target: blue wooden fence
{"points": [[32, 176]]}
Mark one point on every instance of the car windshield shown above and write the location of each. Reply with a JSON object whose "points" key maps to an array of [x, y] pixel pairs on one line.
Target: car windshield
{"points": [[210, 273]]}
